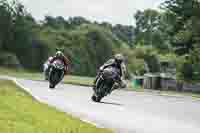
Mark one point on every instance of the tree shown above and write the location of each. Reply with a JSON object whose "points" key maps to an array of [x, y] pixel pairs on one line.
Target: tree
{"points": [[76, 21], [18, 36], [147, 23], [87, 44], [125, 33], [6, 15], [184, 33]]}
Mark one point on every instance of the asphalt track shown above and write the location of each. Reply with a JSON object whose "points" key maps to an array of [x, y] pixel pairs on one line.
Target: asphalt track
{"points": [[122, 111]]}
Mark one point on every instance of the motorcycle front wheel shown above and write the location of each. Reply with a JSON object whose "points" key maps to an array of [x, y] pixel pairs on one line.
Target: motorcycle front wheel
{"points": [[96, 98]]}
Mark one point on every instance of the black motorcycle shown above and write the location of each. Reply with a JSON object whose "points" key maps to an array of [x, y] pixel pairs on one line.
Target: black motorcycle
{"points": [[105, 83], [56, 73]]}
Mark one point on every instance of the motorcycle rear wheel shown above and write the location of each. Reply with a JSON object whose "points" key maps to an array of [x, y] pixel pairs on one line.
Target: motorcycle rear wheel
{"points": [[51, 86]]}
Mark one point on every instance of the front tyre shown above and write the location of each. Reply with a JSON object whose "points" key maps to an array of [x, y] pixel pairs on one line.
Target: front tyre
{"points": [[96, 98]]}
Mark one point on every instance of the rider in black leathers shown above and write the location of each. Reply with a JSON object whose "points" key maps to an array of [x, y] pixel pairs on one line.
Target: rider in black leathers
{"points": [[117, 62]]}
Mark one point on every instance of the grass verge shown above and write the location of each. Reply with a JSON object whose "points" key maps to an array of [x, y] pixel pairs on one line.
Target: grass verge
{"points": [[20, 113], [69, 79]]}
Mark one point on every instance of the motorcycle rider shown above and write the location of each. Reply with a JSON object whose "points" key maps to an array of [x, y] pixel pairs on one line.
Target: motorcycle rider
{"points": [[46, 67], [60, 56], [117, 62]]}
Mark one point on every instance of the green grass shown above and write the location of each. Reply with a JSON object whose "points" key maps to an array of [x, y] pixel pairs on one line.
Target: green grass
{"points": [[20, 113], [21, 73], [69, 79]]}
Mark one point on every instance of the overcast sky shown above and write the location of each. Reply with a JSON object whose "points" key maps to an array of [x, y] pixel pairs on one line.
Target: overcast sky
{"points": [[113, 11]]}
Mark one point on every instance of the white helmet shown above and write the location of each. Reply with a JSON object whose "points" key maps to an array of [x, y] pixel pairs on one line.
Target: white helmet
{"points": [[59, 54], [119, 58]]}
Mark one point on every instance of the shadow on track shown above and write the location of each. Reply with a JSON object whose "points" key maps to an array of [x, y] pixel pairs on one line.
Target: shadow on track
{"points": [[112, 103]]}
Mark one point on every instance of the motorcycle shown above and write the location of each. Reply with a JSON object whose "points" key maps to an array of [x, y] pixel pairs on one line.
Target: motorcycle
{"points": [[46, 71], [106, 83], [56, 73]]}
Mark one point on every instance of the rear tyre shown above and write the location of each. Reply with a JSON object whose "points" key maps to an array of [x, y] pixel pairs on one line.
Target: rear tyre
{"points": [[51, 86], [98, 99], [97, 96]]}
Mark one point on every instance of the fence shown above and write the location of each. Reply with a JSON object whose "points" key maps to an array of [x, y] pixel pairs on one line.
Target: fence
{"points": [[156, 81]]}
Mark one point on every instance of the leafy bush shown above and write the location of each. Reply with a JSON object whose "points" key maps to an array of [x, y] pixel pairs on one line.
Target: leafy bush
{"points": [[88, 46], [150, 56], [9, 60], [195, 60], [138, 66], [184, 69], [168, 62], [188, 68]]}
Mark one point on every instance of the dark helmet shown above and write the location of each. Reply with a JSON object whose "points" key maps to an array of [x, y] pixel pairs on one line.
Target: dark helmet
{"points": [[119, 58]]}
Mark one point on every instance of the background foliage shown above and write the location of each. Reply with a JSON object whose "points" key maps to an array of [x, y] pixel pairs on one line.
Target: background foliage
{"points": [[171, 34]]}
